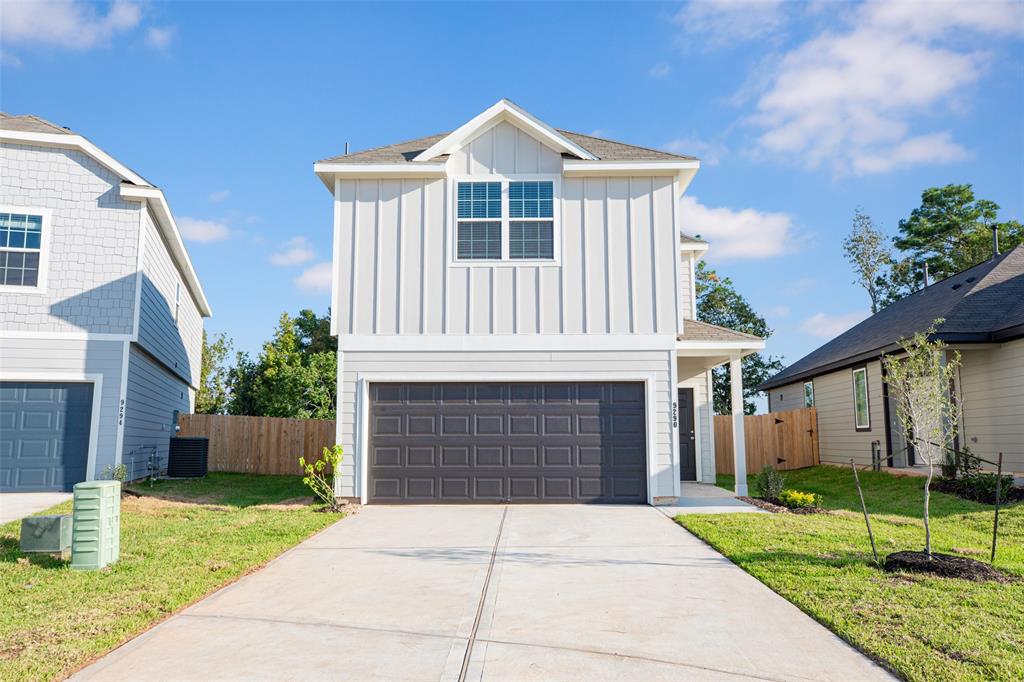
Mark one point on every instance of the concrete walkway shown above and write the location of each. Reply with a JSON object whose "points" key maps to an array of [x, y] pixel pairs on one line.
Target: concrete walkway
{"points": [[493, 593], [703, 498], [19, 505]]}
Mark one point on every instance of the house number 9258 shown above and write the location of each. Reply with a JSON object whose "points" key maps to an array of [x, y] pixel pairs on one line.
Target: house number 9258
{"points": [[675, 415]]}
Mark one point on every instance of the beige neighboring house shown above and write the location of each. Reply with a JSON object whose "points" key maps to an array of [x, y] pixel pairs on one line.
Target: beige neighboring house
{"points": [[983, 309]]}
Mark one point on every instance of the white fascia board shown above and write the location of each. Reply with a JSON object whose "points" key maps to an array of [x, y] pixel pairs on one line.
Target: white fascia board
{"points": [[503, 110], [165, 219], [695, 348], [61, 140], [427, 343], [329, 172], [685, 249], [685, 169]]}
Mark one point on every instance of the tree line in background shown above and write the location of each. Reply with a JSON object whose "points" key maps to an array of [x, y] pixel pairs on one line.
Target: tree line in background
{"points": [[949, 232], [294, 375]]}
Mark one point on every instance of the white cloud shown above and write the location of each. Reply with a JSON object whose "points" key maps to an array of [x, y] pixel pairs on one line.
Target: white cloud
{"points": [[723, 23], [315, 278], [203, 231], [66, 23], [219, 196], [746, 233], [846, 97], [800, 286], [160, 37], [709, 153], [660, 70], [829, 326], [296, 252], [778, 311]]}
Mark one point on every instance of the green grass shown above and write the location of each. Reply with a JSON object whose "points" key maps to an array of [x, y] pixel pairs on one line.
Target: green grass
{"points": [[54, 620], [922, 628]]}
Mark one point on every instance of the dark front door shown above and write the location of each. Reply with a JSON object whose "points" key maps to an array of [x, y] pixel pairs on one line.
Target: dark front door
{"points": [[436, 443], [687, 439], [44, 435]]}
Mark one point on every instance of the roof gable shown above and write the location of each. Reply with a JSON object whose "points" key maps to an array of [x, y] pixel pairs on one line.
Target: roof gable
{"points": [[504, 110]]}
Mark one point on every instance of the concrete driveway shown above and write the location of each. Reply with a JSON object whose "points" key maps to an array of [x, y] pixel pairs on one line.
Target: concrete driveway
{"points": [[497, 593], [19, 505]]}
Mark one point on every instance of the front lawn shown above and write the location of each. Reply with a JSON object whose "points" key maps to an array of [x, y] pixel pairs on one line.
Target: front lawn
{"points": [[922, 628], [179, 542]]}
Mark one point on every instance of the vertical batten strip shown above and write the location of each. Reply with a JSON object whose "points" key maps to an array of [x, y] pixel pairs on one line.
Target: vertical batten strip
{"points": [[583, 255], [400, 256], [607, 261], [376, 257], [515, 300], [676, 256], [352, 269], [630, 249], [537, 297], [423, 256], [654, 261]]}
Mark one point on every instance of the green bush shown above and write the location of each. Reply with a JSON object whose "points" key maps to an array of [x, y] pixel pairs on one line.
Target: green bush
{"points": [[796, 499], [979, 487], [316, 475], [769, 483]]}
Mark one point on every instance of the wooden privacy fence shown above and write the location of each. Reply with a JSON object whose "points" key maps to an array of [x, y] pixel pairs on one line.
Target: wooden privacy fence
{"points": [[259, 445], [786, 440]]}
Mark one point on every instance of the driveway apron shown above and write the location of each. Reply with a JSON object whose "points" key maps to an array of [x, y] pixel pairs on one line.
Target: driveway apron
{"points": [[493, 593]]}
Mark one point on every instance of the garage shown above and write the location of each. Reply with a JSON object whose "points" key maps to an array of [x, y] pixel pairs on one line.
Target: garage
{"points": [[440, 443], [44, 435]]}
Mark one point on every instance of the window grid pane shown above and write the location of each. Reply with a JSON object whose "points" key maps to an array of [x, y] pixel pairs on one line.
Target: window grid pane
{"points": [[531, 199], [860, 398], [22, 232], [479, 240], [532, 239], [479, 200]]}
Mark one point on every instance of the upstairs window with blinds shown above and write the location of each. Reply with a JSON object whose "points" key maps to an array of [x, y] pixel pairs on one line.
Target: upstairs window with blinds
{"points": [[479, 221], [21, 245], [505, 220]]}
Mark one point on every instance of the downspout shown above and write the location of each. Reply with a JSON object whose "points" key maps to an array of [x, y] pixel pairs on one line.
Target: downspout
{"points": [[886, 413]]}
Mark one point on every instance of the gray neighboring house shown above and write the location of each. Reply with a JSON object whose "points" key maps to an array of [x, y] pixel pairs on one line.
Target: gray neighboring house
{"points": [[983, 309], [101, 312]]}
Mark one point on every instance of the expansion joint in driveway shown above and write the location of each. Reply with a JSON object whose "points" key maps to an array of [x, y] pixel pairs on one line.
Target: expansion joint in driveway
{"points": [[483, 599]]}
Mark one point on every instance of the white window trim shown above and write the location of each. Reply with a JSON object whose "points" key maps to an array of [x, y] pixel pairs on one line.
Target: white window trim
{"points": [[44, 250], [867, 401], [505, 261], [811, 384]]}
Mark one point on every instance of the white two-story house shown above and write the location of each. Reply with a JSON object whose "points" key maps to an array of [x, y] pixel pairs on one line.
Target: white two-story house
{"points": [[515, 307], [101, 313]]}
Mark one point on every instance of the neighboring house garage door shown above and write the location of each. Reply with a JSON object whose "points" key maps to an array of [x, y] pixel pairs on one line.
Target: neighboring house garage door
{"points": [[44, 435], [507, 442]]}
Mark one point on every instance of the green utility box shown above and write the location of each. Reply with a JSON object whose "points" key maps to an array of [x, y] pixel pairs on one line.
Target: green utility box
{"points": [[49, 534], [96, 532]]}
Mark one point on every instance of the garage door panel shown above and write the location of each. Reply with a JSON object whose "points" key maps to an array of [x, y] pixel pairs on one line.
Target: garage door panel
{"points": [[515, 442], [44, 435]]}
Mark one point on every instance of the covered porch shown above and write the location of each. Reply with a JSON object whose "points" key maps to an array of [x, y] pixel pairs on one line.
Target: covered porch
{"points": [[699, 349]]}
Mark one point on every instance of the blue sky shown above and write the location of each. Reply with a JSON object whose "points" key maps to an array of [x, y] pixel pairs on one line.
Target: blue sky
{"points": [[801, 112]]}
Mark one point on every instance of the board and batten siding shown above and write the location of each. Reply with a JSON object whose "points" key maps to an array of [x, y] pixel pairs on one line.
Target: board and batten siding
{"points": [[48, 359], [177, 344], [617, 272], [838, 438], [485, 366], [991, 386]]}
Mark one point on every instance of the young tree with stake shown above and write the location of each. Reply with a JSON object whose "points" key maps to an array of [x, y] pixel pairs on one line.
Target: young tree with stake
{"points": [[920, 379]]}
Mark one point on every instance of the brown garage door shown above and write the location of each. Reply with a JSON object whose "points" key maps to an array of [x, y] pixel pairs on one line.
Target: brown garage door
{"points": [[507, 442]]}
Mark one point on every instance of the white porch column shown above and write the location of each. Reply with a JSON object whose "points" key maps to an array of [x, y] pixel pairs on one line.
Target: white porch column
{"points": [[739, 449]]}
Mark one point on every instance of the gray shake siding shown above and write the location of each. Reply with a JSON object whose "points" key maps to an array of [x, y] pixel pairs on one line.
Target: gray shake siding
{"points": [[153, 396], [92, 247], [85, 323]]}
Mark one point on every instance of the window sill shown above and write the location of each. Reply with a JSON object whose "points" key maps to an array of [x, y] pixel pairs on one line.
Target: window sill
{"points": [[16, 289], [482, 262]]}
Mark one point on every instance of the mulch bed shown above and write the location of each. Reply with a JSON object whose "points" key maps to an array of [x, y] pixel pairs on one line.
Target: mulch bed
{"points": [[963, 491], [945, 566], [781, 509]]}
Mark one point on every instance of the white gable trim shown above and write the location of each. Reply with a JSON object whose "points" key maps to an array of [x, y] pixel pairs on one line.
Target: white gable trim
{"points": [[165, 221], [504, 110]]}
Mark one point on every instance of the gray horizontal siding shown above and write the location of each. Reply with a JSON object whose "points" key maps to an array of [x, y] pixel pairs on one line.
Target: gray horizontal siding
{"points": [[152, 397]]}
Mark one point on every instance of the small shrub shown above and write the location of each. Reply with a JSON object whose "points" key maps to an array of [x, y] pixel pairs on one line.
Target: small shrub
{"points": [[316, 476], [769, 483], [796, 499], [979, 488], [115, 473]]}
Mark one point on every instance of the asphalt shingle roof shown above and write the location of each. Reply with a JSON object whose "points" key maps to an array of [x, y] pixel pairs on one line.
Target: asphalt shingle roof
{"points": [[981, 304], [30, 124], [694, 330], [605, 150]]}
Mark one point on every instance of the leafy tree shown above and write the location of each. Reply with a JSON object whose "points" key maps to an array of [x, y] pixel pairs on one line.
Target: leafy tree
{"points": [[902, 278], [719, 303], [214, 393], [292, 377], [868, 252], [952, 230], [920, 378]]}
